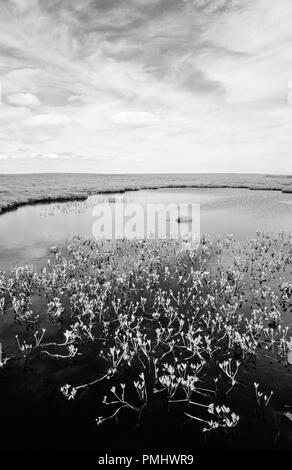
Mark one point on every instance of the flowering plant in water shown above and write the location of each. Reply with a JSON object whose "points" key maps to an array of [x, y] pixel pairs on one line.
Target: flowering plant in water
{"points": [[169, 319]]}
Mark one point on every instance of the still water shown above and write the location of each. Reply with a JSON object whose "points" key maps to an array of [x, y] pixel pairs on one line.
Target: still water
{"points": [[30, 393], [28, 233]]}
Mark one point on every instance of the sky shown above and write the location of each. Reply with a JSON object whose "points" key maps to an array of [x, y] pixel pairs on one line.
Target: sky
{"points": [[146, 86]]}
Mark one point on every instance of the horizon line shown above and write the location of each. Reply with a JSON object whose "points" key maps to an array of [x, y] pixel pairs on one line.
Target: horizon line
{"points": [[146, 173]]}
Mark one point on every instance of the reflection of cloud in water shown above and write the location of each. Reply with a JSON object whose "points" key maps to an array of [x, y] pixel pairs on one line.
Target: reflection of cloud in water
{"points": [[286, 202], [35, 252]]}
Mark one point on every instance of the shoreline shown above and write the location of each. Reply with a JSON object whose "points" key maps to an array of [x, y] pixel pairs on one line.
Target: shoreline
{"points": [[82, 197]]}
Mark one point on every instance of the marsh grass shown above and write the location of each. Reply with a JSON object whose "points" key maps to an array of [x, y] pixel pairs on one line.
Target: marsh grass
{"points": [[19, 190]]}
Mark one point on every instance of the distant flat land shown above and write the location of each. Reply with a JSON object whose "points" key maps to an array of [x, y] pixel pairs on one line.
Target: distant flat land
{"points": [[18, 190]]}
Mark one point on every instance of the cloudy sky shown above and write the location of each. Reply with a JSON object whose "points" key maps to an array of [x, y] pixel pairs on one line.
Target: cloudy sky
{"points": [[146, 86]]}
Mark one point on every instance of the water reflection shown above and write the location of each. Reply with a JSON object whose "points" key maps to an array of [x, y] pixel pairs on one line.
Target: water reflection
{"points": [[27, 234]]}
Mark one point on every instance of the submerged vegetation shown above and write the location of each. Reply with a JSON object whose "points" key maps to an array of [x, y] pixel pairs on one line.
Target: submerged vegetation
{"points": [[152, 327]]}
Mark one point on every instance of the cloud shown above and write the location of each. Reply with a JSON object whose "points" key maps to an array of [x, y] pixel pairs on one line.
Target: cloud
{"points": [[23, 5], [127, 85], [135, 118], [23, 99], [50, 156], [47, 120]]}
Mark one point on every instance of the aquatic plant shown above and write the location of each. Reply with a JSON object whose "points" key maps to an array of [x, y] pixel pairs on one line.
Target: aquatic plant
{"points": [[261, 398], [222, 417], [155, 323]]}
